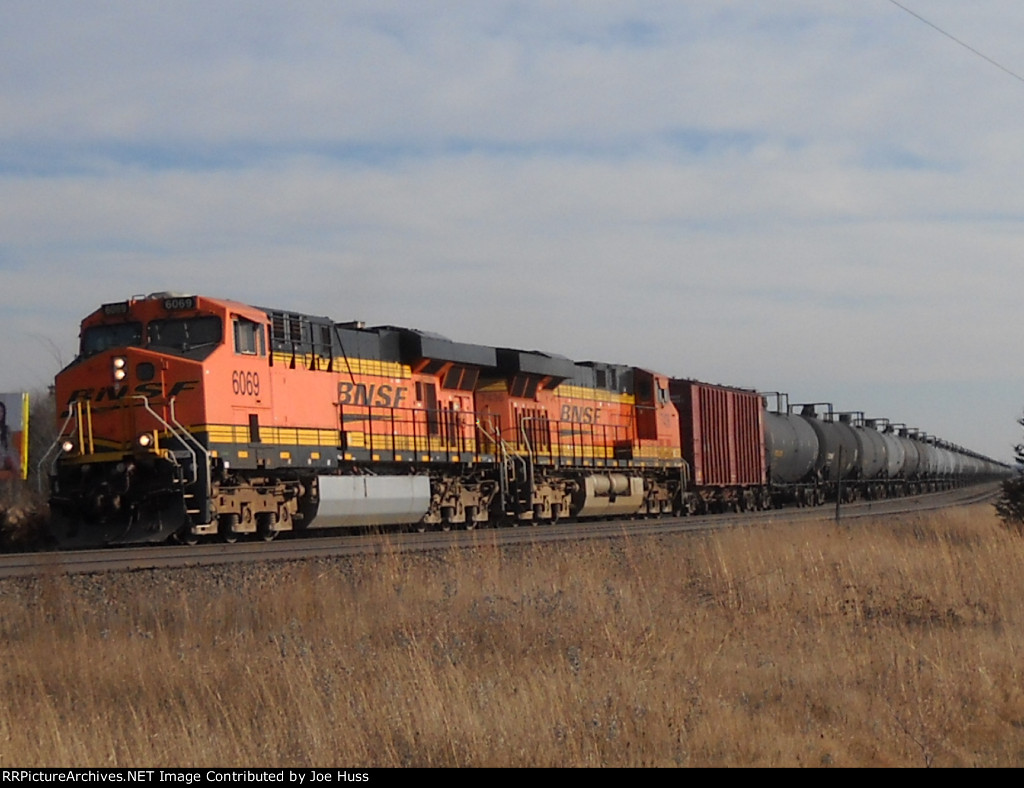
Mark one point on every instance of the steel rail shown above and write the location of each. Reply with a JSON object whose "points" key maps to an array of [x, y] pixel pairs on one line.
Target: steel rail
{"points": [[124, 559]]}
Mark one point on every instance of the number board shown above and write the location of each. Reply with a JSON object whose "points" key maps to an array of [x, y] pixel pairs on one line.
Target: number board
{"points": [[180, 302], [120, 308]]}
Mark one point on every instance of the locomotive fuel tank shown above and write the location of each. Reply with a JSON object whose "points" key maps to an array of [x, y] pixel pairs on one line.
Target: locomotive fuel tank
{"points": [[607, 495], [351, 501]]}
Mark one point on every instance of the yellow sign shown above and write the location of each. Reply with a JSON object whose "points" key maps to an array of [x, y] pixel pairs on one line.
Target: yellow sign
{"points": [[14, 436]]}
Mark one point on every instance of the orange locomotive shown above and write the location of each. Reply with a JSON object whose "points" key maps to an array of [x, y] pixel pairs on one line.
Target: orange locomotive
{"points": [[185, 416]]}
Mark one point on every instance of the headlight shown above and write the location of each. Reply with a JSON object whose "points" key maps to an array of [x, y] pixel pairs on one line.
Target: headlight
{"points": [[145, 440], [67, 447], [120, 364]]}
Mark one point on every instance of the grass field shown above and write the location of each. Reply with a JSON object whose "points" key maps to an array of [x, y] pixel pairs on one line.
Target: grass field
{"points": [[892, 643]]}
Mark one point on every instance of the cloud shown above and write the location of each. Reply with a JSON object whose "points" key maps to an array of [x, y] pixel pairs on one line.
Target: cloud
{"points": [[784, 196]]}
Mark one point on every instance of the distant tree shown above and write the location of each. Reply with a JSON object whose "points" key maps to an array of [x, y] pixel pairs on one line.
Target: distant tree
{"points": [[42, 428], [1010, 505]]}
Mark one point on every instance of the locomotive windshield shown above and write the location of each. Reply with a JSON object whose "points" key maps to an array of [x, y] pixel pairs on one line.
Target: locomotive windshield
{"points": [[185, 334], [179, 335], [99, 338]]}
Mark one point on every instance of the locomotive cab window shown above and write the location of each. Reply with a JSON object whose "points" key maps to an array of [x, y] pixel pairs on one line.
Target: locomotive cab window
{"points": [[187, 335], [96, 339], [249, 337]]}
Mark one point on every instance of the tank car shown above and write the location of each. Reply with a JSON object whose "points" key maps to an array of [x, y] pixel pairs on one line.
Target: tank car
{"points": [[807, 455], [871, 459], [895, 452], [791, 452], [912, 464], [838, 452], [816, 454]]}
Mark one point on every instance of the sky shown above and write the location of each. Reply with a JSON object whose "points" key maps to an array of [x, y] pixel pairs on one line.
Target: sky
{"points": [[818, 198]]}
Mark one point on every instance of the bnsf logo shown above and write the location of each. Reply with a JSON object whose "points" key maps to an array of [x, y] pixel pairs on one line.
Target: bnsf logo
{"points": [[581, 415], [381, 396], [113, 393]]}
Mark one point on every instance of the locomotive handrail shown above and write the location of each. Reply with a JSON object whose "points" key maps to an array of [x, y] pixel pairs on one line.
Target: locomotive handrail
{"points": [[529, 451], [495, 435], [447, 428], [508, 455], [57, 442], [172, 431], [195, 441]]}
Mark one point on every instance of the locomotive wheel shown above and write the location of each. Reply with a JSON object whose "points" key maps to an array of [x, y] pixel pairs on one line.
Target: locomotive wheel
{"points": [[470, 518], [185, 536], [226, 525], [266, 525]]}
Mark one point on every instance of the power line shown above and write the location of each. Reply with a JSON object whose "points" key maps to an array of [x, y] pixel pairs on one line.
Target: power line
{"points": [[966, 46]]}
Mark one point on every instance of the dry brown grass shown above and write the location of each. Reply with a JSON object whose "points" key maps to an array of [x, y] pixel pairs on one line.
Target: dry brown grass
{"points": [[888, 644]]}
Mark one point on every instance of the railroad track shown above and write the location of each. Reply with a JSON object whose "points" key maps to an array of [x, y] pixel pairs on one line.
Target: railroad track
{"points": [[296, 549]]}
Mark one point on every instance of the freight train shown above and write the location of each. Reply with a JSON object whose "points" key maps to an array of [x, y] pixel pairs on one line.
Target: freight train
{"points": [[185, 417]]}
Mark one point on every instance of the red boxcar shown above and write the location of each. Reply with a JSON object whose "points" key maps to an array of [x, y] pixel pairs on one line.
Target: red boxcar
{"points": [[722, 436]]}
